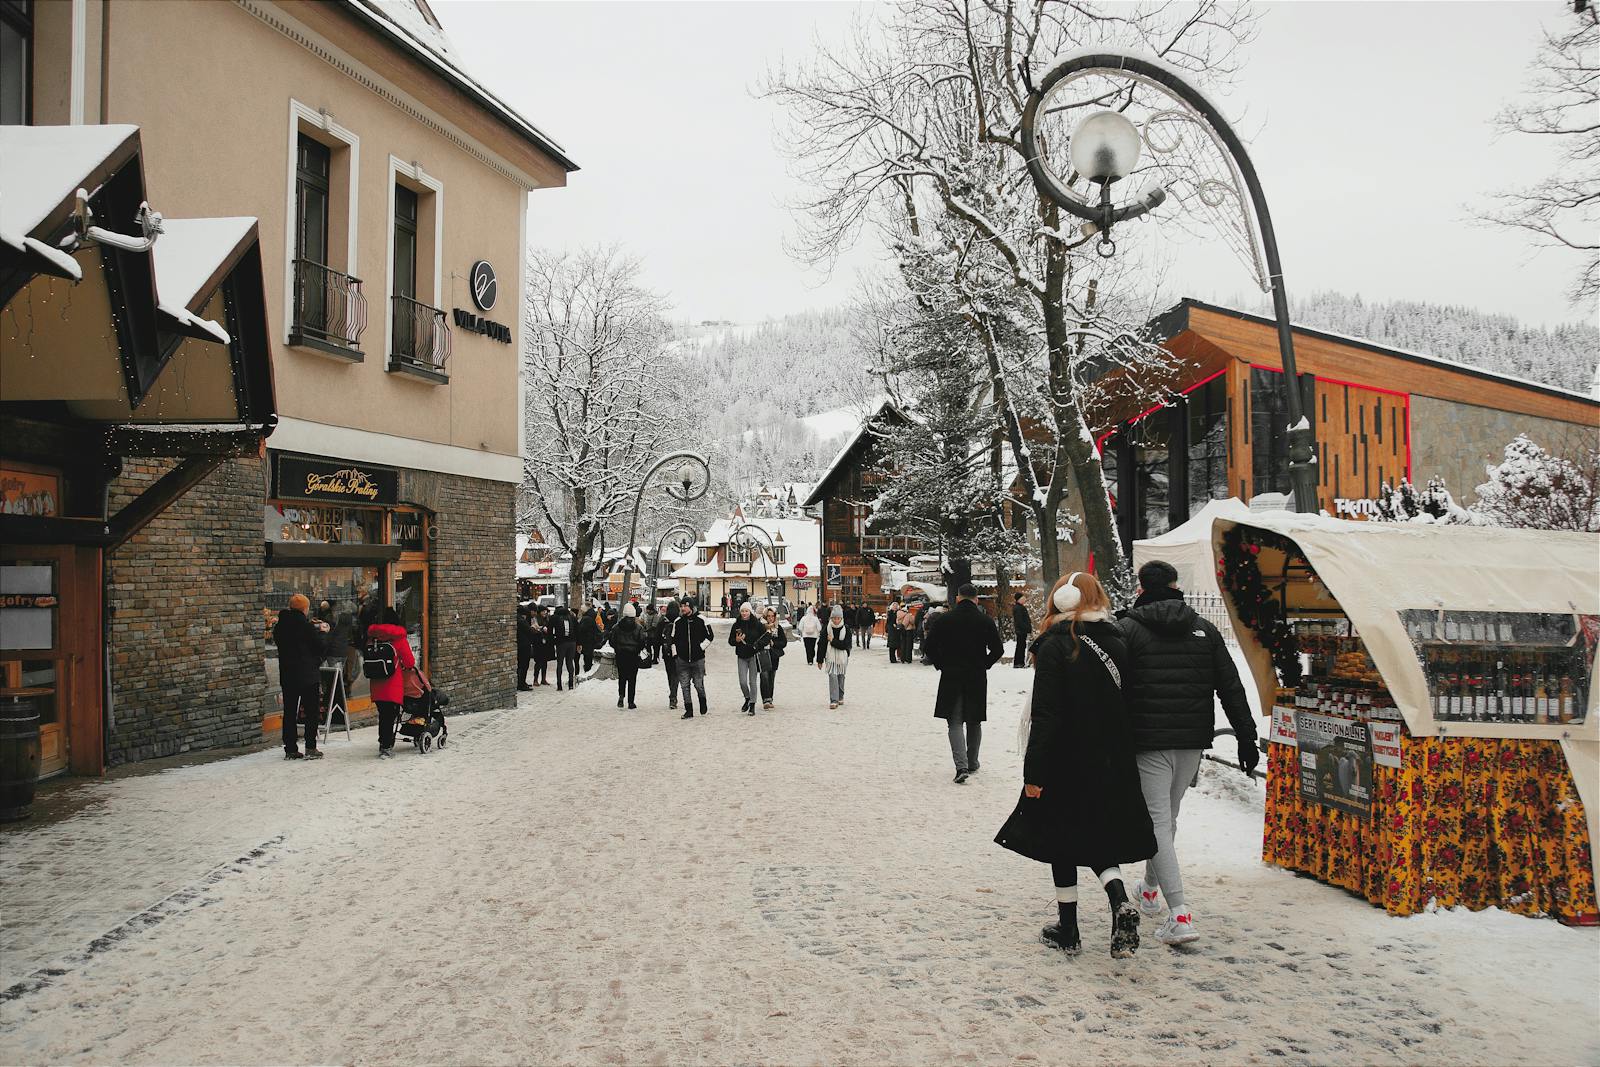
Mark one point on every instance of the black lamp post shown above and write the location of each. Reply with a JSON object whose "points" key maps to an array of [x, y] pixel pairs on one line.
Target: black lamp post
{"points": [[681, 530], [1104, 148], [691, 465]]}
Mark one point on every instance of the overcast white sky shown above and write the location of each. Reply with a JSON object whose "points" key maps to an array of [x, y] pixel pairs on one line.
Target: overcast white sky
{"points": [[1369, 123]]}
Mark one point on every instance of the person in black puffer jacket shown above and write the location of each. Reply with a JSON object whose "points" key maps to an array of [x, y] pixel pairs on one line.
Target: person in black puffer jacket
{"points": [[628, 640], [1179, 662]]}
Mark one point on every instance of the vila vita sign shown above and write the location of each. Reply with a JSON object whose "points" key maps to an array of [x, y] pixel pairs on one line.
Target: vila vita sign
{"points": [[299, 478]]}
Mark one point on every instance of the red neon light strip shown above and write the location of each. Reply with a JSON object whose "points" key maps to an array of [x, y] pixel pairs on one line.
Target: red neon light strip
{"points": [[1098, 441]]}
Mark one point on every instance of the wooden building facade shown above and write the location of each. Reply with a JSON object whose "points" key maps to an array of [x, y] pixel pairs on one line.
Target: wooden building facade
{"points": [[1380, 414]]}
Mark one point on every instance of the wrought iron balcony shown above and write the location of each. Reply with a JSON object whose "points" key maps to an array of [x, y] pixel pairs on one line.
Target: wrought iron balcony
{"points": [[421, 345], [330, 310]]}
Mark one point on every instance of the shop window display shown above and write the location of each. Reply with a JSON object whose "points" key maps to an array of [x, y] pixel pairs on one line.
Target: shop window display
{"points": [[354, 600], [1505, 666]]}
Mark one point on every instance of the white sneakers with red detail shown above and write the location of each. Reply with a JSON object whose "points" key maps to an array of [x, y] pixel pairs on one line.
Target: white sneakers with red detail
{"points": [[1178, 929], [1148, 899]]}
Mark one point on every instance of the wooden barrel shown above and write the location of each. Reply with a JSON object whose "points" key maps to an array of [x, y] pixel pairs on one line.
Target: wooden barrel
{"points": [[19, 756]]}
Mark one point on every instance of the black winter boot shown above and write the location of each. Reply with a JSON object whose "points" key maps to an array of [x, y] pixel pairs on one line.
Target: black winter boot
{"points": [[1124, 922], [1063, 933]]}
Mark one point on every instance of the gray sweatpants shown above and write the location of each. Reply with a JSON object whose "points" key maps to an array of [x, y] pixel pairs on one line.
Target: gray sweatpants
{"points": [[1164, 776]]}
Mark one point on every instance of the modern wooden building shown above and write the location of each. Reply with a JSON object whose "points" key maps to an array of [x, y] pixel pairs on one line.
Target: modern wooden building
{"points": [[1380, 414]]}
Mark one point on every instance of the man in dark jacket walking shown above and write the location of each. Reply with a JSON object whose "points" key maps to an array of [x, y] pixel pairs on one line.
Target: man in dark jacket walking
{"points": [[591, 634], [690, 636], [1023, 624], [962, 645], [525, 642], [865, 620], [1180, 662], [301, 645]]}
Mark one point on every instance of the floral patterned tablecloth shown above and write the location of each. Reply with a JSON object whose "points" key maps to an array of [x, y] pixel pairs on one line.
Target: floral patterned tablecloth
{"points": [[1467, 822]]}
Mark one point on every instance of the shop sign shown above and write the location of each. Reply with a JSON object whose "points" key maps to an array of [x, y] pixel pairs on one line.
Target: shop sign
{"points": [[410, 532], [835, 574], [1282, 726], [466, 320], [484, 286], [1335, 762], [27, 493], [1344, 508], [299, 478], [1385, 744]]}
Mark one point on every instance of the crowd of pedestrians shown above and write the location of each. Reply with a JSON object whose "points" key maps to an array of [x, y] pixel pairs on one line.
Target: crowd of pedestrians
{"points": [[1118, 717]]}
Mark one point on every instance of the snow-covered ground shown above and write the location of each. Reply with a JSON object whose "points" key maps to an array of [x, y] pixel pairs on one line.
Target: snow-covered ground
{"points": [[570, 883]]}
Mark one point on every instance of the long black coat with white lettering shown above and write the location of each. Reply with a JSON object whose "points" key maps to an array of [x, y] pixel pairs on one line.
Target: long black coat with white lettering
{"points": [[963, 643], [1080, 750]]}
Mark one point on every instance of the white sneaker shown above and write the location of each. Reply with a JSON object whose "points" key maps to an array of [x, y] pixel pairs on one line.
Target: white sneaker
{"points": [[1149, 900], [1177, 930]]}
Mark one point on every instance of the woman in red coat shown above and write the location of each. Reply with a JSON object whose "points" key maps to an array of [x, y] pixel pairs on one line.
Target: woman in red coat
{"points": [[389, 693]]}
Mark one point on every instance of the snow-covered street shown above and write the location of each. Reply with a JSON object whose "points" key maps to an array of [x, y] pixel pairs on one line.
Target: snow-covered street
{"points": [[570, 883]]}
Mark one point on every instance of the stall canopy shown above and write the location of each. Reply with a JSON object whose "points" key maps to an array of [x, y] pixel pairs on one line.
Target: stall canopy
{"points": [[1188, 547], [1373, 572]]}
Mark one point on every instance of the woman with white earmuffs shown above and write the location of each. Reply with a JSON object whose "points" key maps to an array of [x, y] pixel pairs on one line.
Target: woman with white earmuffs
{"points": [[1081, 804]]}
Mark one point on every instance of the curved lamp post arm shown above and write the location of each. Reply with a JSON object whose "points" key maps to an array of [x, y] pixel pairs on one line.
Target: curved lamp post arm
{"points": [[1302, 440], [687, 461], [661, 544]]}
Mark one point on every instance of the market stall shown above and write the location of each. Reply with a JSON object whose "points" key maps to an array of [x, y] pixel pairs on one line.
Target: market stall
{"points": [[1434, 729], [1188, 547]]}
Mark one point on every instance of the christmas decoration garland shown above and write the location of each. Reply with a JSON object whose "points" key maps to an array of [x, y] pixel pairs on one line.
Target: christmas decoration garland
{"points": [[1239, 573]]}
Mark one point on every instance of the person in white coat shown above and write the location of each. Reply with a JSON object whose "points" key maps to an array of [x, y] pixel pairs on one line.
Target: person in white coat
{"points": [[834, 655], [810, 630]]}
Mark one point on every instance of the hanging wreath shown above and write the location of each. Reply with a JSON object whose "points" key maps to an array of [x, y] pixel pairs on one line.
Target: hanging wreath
{"points": [[1239, 573]]}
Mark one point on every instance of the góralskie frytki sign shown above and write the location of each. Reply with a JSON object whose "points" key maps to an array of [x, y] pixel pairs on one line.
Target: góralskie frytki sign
{"points": [[303, 478]]}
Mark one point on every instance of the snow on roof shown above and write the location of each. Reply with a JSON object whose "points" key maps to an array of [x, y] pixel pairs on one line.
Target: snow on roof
{"points": [[861, 430], [1404, 353], [40, 166], [413, 25], [188, 256], [801, 540]]}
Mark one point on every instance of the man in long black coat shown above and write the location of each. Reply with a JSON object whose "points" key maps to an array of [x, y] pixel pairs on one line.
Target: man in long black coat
{"points": [[963, 644], [1024, 627]]}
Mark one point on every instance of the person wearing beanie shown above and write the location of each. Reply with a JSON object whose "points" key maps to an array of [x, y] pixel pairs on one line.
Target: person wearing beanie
{"points": [[742, 637], [962, 645], [628, 642], [591, 634], [835, 654], [690, 636], [301, 646]]}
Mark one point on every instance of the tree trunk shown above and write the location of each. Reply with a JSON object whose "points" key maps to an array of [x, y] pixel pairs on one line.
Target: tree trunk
{"points": [[1074, 443], [581, 547]]}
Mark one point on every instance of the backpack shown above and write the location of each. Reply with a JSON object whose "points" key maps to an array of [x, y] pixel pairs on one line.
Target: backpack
{"points": [[379, 661]]}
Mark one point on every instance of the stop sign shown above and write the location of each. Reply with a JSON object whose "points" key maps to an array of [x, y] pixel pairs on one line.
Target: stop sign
{"points": [[801, 570]]}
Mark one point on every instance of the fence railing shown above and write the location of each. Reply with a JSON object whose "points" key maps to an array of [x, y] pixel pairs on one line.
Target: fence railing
{"points": [[896, 543], [421, 336], [329, 306], [1211, 608]]}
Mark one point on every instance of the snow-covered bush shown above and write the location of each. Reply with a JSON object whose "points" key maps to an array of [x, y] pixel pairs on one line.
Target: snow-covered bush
{"points": [[1537, 489]]}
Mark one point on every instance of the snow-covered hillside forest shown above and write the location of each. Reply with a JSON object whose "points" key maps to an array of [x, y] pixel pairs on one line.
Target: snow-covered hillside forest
{"points": [[754, 384], [1565, 355]]}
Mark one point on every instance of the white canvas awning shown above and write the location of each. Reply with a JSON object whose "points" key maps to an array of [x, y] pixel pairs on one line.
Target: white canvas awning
{"points": [[1188, 547], [1375, 571]]}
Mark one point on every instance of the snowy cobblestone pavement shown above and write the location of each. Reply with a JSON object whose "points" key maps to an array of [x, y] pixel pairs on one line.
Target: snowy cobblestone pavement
{"points": [[570, 883]]}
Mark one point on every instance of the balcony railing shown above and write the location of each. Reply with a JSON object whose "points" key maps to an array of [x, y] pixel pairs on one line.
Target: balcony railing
{"points": [[421, 339], [875, 543], [330, 310]]}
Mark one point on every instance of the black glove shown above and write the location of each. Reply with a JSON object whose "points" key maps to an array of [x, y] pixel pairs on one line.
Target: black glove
{"points": [[1249, 754]]}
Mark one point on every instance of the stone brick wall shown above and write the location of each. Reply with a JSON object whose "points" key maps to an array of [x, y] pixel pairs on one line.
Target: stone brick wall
{"points": [[1457, 441], [186, 643], [471, 590]]}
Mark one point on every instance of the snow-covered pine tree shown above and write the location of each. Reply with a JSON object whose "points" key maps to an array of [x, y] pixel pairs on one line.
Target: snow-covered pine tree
{"points": [[1536, 489]]}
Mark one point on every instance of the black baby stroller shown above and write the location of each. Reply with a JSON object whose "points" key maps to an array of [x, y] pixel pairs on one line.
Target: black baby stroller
{"points": [[422, 719]]}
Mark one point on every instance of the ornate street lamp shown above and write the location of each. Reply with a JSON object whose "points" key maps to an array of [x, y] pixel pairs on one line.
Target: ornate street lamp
{"points": [[749, 535], [691, 479], [1105, 148], [683, 537]]}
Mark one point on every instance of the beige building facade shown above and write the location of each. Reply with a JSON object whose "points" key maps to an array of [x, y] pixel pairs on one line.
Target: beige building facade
{"points": [[391, 190]]}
